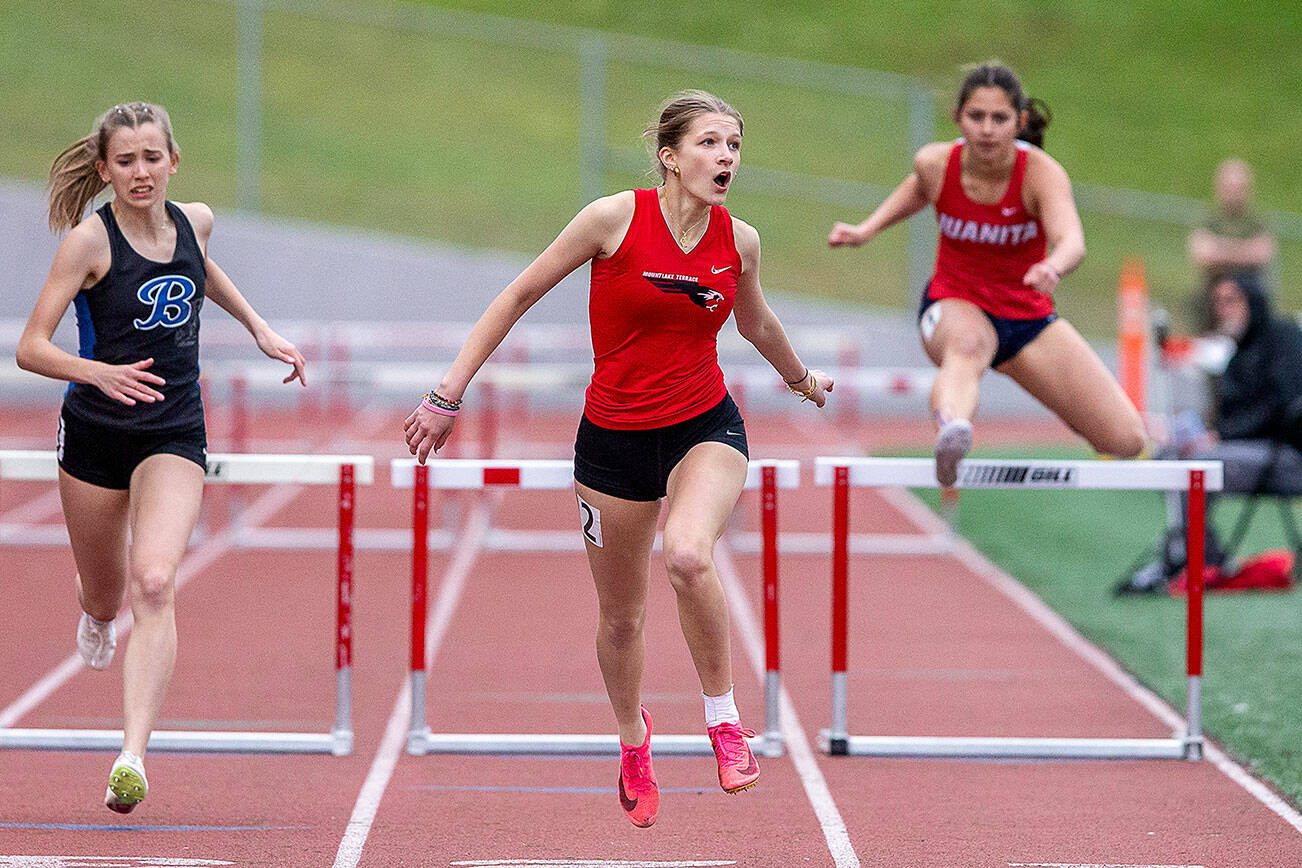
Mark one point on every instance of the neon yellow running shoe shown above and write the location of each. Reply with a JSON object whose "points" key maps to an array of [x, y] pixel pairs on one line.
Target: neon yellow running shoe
{"points": [[127, 784]]}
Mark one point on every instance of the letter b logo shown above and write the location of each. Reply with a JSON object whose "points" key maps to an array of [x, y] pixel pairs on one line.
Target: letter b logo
{"points": [[169, 300]]}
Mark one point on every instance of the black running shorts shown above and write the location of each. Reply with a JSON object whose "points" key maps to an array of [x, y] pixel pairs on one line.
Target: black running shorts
{"points": [[635, 465], [107, 456]]}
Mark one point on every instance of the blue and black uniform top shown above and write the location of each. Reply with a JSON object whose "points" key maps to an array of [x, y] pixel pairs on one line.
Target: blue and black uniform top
{"points": [[140, 309]]}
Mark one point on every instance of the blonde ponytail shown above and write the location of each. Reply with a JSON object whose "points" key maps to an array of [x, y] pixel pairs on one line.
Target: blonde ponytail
{"points": [[74, 182]]}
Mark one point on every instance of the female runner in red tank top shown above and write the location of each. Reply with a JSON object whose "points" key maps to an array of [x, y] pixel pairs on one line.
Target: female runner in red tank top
{"points": [[668, 266], [1009, 232]]}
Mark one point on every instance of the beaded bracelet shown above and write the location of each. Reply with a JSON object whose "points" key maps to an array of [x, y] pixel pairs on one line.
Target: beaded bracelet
{"points": [[436, 403]]}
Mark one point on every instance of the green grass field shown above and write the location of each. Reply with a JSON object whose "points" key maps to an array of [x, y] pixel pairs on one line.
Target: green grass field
{"points": [[469, 142], [1253, 641]]}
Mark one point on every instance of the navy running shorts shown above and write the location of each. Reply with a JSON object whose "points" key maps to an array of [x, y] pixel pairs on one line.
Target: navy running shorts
{"points": [[1012, 334]]}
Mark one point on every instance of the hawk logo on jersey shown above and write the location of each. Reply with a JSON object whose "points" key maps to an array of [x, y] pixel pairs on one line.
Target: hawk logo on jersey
{"points": [[682, 284], [169, 300]]}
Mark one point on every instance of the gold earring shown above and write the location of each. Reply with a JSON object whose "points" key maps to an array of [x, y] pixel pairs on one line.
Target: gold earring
{"points": [[676, 172]]}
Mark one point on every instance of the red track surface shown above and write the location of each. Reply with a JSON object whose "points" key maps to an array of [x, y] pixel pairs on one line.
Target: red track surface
{"points": [[935, 650]]}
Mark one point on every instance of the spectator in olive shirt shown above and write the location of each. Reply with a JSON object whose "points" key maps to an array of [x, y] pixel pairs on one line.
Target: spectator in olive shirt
{"points": [[1232, 240]]}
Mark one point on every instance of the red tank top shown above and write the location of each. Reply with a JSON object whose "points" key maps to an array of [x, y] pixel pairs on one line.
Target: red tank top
{"points": [[656, 313], [985, 250]]}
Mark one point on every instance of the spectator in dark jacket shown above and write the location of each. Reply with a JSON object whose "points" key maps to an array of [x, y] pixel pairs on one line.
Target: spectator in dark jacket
{"points": [[1258, 399], [1258, 408]]}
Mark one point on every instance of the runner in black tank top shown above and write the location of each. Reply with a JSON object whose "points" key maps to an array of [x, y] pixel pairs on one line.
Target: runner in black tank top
{"points": [[131, 433], [143, 308]]}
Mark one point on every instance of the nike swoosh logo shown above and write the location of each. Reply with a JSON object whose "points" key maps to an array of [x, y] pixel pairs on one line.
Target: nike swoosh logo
{"points": [[751, 767], [714, 270], [1008, 212], [630, 804], [733, 433]]}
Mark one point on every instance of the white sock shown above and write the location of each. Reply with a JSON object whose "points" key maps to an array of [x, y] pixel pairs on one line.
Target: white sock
{"points": [[99, 625], [131, 758], [720, 709]]}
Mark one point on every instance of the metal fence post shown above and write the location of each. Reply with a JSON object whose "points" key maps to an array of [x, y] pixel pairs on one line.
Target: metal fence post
{"points": [[592, 119], [248, 105]]}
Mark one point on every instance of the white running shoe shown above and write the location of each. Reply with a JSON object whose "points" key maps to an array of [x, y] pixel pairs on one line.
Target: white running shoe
{"points": [[127, 785], [96, 640], [953, 440]]}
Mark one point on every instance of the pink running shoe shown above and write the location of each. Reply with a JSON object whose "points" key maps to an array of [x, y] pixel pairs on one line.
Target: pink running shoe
{"points": [[638, 792], [737, 767]]}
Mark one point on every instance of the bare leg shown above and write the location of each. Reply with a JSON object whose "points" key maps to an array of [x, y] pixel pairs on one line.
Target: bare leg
{"points": [[621, 572], [703, 490], [166, 491], [961, 342], [1063, 373], [97, 529]]}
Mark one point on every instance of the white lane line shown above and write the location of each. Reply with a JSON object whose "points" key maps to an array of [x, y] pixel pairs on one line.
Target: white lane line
{"points": [[793, 733], [194, 562], [107, 862], [386, 756], [585, 863], [1030, 603]]}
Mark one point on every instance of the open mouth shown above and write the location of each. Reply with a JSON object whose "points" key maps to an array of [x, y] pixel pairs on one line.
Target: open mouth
{"points": [[722, 180]]}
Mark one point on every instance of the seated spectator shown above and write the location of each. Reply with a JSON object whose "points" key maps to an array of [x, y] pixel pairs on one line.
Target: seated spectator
{"points": [[1258, 407], [1233, 239]]}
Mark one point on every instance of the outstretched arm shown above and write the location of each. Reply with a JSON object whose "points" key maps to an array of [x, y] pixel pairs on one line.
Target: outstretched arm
{"points": [[912, 195], [221, 289], [588, 235], [758, 324]]}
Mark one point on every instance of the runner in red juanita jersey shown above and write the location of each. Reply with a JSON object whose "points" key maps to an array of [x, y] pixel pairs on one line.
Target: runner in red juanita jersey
{"points": [[668, 266], [1009, 232]]}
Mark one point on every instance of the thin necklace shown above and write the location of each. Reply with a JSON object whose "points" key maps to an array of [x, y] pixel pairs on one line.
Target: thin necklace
{"points": [[686, 233]]}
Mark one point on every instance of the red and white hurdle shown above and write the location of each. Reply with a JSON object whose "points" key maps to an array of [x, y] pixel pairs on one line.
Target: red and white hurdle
{"points": [[1193, 477], [461, 474], [345, 471]]}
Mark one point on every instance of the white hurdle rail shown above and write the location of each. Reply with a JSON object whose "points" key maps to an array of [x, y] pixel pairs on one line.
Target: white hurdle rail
{"points": [[1193, 477], [346, 471], [461, 474]]}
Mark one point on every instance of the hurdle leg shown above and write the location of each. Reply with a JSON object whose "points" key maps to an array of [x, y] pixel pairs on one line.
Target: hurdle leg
{"points": [[1194, 600], [773, 742], [418, 731], [837, 736], [342, 734]]}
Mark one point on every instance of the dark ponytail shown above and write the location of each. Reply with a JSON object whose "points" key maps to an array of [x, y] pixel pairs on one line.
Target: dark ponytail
{"points": [[1038, 117], [995, 74]]}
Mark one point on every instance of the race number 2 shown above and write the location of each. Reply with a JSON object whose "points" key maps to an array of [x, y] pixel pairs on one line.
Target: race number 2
{"points": [[590, 516]]}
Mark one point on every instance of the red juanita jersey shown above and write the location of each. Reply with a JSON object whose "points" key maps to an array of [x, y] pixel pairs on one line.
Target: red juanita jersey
{"points": [[656, 313], [986, 250]]}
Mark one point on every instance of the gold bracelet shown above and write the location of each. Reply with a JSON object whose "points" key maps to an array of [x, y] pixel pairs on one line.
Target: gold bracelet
{"points": [[805, 394]]}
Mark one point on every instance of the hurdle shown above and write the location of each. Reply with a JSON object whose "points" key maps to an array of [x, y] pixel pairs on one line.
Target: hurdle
{"points": [[461, 474], [346, 471], [1193, 477]]}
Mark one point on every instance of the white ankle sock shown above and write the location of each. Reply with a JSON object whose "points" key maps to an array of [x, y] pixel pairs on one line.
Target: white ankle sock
{"points": [[720, 709]]}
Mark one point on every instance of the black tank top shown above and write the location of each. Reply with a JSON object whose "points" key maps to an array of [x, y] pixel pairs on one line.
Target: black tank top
{"points": [[141, 309]]}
